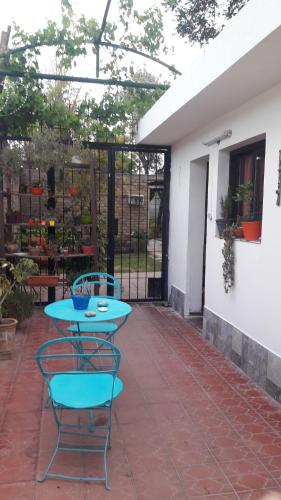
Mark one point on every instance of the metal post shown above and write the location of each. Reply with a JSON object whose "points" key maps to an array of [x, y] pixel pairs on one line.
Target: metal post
{"points": [[110, 215]]}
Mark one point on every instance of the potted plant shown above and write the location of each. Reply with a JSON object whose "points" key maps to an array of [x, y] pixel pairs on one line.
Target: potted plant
{"points": [[34, 249], [37, 189], [73, 191], [10, 276], [87, 248], [251, 225], [12, 247], [226, 205], [86, 219]]}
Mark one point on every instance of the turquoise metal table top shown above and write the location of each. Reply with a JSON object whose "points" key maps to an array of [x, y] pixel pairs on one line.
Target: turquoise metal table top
{"points": [[64, 310]]}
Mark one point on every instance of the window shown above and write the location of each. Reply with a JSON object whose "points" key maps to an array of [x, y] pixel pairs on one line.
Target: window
{"points": [[247, 165], [136, 199]]}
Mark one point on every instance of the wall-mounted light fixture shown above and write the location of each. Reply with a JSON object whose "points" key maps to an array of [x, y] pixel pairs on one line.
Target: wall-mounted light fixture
{"points": [[216, 140]]}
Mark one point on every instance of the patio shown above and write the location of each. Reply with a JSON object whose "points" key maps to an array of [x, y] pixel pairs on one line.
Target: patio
{"points": [[188, 425]]}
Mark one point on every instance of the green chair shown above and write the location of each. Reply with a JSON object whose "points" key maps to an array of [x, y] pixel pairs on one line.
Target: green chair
{"points": [[81, 374]]}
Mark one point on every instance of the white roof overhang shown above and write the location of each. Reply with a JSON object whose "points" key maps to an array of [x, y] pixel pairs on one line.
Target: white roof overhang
{"points": [[244, 61]]}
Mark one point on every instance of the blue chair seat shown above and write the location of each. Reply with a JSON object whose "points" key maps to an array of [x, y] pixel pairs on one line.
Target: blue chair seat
{"points": [[93, 328], [84, 391]]}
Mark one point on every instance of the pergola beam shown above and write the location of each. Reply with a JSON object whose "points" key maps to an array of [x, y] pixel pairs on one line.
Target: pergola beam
{"points": [[80, 79], [98, 41]]}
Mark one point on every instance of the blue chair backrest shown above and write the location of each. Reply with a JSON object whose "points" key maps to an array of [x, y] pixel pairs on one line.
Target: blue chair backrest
{"points": [[86, 283], [86, 355]]}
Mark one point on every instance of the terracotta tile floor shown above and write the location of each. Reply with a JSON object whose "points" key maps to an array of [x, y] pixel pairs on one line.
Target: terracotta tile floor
{"points": [[189, 424]]}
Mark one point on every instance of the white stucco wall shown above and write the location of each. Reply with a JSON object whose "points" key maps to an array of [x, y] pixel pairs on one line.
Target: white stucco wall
{"points": [[254, 304]]}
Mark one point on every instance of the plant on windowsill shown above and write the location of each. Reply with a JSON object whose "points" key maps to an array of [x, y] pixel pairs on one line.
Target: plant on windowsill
{"points": [[226, 204], [228, 262], [250, 222], [237, 229]]}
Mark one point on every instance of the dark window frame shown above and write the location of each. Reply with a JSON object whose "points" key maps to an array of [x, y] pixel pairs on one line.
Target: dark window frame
{"points": [[254, 154]]}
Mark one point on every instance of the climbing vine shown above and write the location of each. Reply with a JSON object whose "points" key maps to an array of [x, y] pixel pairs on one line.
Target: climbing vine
{"points": [[228, 263]]}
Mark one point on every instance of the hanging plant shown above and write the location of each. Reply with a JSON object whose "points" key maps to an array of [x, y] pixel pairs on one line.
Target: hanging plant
{"points": [[228, 263]]}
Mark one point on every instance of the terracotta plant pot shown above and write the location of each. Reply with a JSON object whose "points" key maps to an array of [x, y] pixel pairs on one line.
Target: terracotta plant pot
{"points": [[252, 230], [7, 337], [39, 240], [37, 191], [35, 251], [11, 247], [87, 249], [42, 280], [73, 191], [51, 250], [237, 232]]}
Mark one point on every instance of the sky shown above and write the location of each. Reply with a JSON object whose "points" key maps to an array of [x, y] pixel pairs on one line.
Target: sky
{"points": [[32, 14]]}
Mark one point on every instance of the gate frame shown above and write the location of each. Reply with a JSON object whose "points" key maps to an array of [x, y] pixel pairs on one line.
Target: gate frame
{"points": [[111, 149]]}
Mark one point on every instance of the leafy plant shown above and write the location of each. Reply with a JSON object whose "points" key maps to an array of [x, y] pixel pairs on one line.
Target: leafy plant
{"points": [[202, 20], [228, 263], [245, 195], [226, 204], [19, 305], [12, 275]]}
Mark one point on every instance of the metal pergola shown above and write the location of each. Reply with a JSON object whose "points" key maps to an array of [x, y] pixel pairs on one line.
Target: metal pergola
{"points": [[99, 42]]}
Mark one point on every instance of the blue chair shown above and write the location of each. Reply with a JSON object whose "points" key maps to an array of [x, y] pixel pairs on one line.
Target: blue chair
{"points": [[87, 283], [81, 374]]}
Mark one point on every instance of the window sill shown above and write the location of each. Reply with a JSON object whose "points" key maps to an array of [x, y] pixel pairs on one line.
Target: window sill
{"points": [[256, 242], [242, 240]]}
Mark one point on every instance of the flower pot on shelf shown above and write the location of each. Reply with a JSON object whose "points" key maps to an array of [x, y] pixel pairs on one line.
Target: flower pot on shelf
{"points": [[13, 217], [11, 247], [87, 249], [80, 302], [42, 280], [35, 251], [86, 219], [73, 191], [7, 337], [37, 190], [37, 241], [251, 230]]}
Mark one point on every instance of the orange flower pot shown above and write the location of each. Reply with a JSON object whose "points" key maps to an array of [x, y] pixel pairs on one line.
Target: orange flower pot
{"points": [[37, 191], [251, 230], [73, 191]]}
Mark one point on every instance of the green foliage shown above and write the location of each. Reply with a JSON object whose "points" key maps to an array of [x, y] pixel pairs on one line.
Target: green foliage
{"points": [[12, 275], [228, 263], [57, 105], [226, 204], [202, 20], [245, 195], [19, 305]]}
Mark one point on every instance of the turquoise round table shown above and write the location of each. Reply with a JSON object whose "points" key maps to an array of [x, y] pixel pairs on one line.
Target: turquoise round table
{"points": [[63, 310]]}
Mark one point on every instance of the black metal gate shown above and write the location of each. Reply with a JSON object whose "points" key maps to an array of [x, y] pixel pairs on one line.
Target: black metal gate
{"points": [[129, 188], [137, 220]]}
